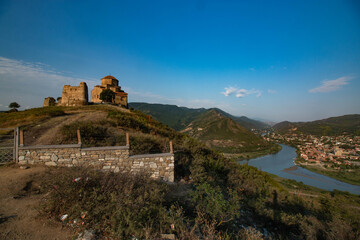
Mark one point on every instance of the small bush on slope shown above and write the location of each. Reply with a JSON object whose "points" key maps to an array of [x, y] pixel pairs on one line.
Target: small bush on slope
{"points": [[120, 205]]}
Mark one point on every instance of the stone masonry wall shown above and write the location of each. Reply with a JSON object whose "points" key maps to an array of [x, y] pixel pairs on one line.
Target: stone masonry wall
{"points": [[116, 159], [75, 95]]}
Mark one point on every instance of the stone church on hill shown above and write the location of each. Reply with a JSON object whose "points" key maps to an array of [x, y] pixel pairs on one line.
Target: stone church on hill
{"points": [[78, 95], [110, 82]]}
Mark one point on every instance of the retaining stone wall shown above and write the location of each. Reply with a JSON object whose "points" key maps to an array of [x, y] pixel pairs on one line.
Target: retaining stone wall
{"points": [[116, 159]]}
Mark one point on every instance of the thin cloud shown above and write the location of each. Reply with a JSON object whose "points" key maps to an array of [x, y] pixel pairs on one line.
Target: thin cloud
{"points": [[36, 73], [27, 82], [240, 93], [331, 85], [271, 91], [229, 91]]}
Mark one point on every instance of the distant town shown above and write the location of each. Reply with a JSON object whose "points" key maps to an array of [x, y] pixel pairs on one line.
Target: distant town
{"points": [[333, 152]]}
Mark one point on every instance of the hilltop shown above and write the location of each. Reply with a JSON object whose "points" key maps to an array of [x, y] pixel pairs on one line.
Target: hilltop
{"points": [[347, 124], [213, 197], [179, 118], [224, 134], [100, 125], [173, 116], [214, 127]]}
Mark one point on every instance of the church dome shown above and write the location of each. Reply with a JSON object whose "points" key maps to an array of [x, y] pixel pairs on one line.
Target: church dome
{"points": [[109, 77]]}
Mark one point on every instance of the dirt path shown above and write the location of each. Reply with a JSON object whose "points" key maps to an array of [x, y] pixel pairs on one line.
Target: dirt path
{"points": [[46, 132], [19, 201]]}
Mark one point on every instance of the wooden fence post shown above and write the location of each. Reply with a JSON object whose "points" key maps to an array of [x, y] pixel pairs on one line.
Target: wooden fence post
{"points": [[78, 136], [21, 138], [171, 147], [16, 145], [127, 140]]}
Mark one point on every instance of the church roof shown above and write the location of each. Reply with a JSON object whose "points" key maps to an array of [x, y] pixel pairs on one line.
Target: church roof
{"points": [[109, 77]]}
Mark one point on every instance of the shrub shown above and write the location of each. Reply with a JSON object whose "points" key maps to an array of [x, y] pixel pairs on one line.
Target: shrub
{"points": [[91, 134], [127, 121], [142, 144], [119, 205], [107, 95], [214, 205]]}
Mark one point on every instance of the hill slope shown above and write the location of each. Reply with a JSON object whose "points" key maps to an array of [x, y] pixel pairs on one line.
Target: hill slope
{"points": [[179, 117], [173, 116], [347, 124], [223, 133], [245, 121], [219, 199]]}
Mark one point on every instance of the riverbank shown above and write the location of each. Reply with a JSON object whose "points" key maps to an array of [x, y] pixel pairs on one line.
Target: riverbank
{"points": [[352, 177], [251, 155], [282, 164]]}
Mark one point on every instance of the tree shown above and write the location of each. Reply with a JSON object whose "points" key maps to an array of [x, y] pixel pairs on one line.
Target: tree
{"points": [[14, 106], [107, 95]]}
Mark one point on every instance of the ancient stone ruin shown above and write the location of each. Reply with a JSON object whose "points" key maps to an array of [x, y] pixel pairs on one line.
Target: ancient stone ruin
{"points": [[74, 95], [78, 95], [49, 101]]}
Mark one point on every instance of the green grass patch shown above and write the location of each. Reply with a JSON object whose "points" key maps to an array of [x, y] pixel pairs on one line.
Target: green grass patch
{"points": [[12, 119], [341, 175]]}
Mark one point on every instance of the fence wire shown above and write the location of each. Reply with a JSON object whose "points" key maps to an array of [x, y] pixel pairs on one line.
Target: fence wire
{"points": [[6, 145]]}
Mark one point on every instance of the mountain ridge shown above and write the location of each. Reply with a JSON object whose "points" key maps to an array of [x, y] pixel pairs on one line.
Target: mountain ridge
{"points": [[214, 127], [223, 133], [349, 124], [186, 115]]}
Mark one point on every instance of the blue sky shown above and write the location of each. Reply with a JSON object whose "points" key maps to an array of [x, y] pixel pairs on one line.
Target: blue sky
{"points": [[275, 60]]}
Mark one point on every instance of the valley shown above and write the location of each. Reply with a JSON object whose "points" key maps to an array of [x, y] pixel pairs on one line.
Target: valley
{"points": [[215, 128], [212, 196]]}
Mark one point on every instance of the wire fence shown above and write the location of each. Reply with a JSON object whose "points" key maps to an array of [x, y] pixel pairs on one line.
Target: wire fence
{"points": [[7, 145], [139, 144], [92, 137]]}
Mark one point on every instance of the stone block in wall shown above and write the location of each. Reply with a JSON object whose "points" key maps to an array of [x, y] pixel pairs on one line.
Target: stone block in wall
{"points": [[23, 162], [50, 163], [44, 157], [33, 154], [54, 158]]}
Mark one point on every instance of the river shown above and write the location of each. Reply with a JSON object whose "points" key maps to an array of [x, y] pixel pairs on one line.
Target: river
{"points": [[282, 165]]}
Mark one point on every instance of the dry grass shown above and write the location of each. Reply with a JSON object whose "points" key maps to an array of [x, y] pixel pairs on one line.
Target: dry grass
{"points": [[47, 132]]}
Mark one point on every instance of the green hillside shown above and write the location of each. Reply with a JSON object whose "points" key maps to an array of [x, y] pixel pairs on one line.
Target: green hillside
{"points": [[224, 134], [216, 128], [213, 197], [245, 121], [179, 117], [347, 124], [173, 116]]}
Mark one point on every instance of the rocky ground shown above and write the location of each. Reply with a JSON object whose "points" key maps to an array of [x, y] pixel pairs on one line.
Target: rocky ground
{"points": [[20, 198]]}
